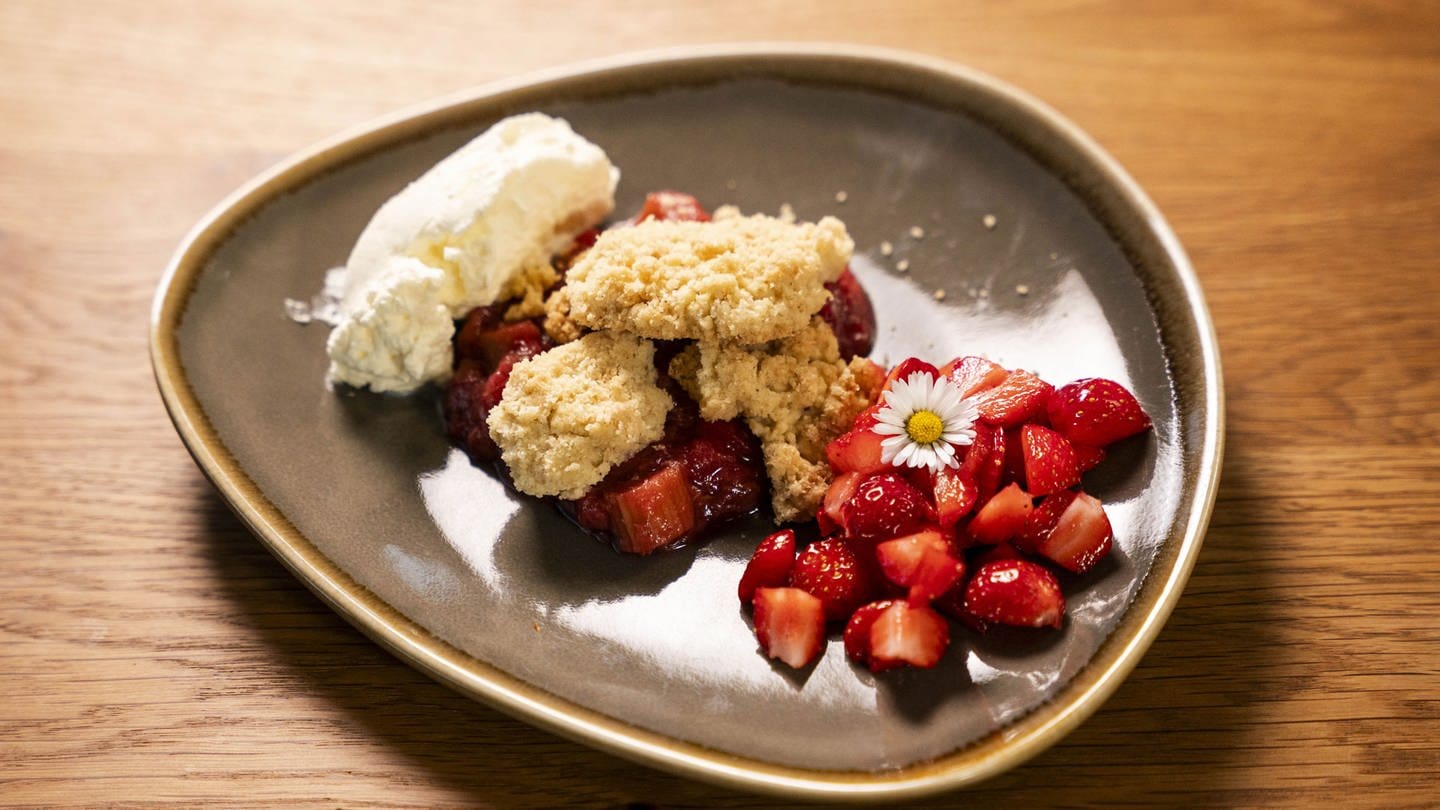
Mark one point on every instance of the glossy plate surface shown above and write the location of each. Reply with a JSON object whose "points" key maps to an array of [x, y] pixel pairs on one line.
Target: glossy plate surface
{"points": [[1050, 258]]}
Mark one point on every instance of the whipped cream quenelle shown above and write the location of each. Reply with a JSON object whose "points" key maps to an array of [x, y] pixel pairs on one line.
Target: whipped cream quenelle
{"points": [[455, 238]]}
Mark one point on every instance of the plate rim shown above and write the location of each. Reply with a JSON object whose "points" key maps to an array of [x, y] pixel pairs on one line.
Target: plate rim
{"points": [[1001, 750]]}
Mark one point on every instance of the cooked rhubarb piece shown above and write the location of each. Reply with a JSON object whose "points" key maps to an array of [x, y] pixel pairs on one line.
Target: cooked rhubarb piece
{"points": [[850, 316], [653, 512], [789, 624], [673, 206], [1096, 412], [1015, 592], [462, 405], [467, 338], [1049, 459], [522, 338]]}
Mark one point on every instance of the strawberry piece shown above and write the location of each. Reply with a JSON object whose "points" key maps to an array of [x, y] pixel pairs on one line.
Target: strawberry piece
{"points": [[1088, 458], [1014, 458], [885, 505], [1002, 517], [1096, 412], [830, 571], [789, 624], [921, 562], [1003, 551], [1015, 592], [1018, 398], [671, 206], [903, 370], [850, 316], [856, 451], [770, 565], [973, 374], [1050, 464], [955, 495], [1042, 520], [985, 460], [868, 418], [907, 634], [841, 490], [653, 512], [1081, 536], [857, 634]]}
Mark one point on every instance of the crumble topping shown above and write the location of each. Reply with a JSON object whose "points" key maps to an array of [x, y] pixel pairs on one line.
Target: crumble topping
{"points": [[795, 394], [735, 279], [571, 414]]}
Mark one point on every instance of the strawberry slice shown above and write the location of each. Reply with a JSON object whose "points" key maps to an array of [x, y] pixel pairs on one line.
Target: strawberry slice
{"points": [[1050, 464], [973, 374], [830, 571], [921, 562], [1042, 520], [789, 624], [904, 369], [884, 505], [1096, 412], [985, 460], [770, 565], [1088, 458], [1019, 397], [1003, 551], [856, 451], [1015, 592], [653, 512], [1002, 517], [907, 634], [841, 490], [1081, 536], [857, 635], [955, 495]]}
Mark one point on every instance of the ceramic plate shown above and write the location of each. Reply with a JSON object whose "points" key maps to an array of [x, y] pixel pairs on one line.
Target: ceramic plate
{"points": [[1049, 258]]}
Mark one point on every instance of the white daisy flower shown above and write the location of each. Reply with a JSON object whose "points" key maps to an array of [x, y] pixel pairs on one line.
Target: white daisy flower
{"points": [[924, 420]]}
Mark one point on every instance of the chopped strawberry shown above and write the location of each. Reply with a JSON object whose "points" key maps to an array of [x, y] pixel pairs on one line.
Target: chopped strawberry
{"points": [[973, 374], [985, 460], [1088, 458], [903, 370], [671, 206], [857, 634], [1002, 517], [1015, 592], [1042, 519], [1081, 536], [921, 562], [856, 451], [955, 495], [770, 565], [789, 624], [841, 490], [653, 512], [1050, 464], [1019, 397], [906, 634], [868, 418], [1014, 458], [1096, 412], [885, 505], [1003, 551], [830, 571]]}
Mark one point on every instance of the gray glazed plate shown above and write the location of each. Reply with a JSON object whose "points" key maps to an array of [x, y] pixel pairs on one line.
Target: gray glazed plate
{"points": [[1049, 256]]}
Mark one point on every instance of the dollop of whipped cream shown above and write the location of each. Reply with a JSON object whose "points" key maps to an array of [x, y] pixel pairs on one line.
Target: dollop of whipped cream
{"points": [[454, 238]]}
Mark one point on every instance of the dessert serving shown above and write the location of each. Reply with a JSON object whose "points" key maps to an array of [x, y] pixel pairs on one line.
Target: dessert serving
{"points": [[677, 370]]}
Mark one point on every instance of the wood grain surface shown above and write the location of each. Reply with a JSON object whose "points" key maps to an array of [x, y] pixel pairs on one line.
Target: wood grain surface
{"points": [[151, 652]]}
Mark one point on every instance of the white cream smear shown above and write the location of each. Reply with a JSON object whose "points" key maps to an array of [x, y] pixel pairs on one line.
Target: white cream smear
{"points": [[451, 241]]}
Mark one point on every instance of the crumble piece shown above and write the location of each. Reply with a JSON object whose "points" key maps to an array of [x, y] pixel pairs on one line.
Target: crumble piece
{"points": [[558, 324], [795, 394], [528, 288], [571, 414], [734, 279]]}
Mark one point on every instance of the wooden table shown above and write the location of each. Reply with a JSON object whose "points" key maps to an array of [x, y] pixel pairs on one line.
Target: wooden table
{"points": [[151, 651]]}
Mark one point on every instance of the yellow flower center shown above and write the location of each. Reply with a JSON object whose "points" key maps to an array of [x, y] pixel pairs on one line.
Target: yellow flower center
{"points": [[924, 427]]}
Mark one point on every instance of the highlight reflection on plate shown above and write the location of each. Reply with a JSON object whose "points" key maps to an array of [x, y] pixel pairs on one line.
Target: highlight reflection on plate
{"points": [[498, 595]]}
